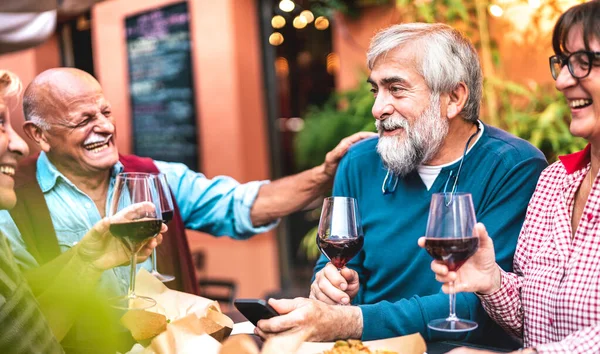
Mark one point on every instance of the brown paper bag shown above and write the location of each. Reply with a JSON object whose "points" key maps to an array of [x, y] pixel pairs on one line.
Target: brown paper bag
{"points": [[195, 322]]}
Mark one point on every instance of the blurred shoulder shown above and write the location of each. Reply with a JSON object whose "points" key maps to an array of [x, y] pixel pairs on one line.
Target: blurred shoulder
{"points": [[509, 148]]}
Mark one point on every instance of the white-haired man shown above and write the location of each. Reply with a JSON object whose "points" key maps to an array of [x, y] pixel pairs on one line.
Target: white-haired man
{"points": [[427, 84]]}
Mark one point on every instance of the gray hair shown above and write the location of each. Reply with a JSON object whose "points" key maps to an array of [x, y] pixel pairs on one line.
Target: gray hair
{"points": [[38, 121], [31, 113], [445, 59]]}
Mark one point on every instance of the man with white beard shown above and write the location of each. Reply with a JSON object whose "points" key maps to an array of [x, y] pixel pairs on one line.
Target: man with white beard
{"points": [[427, 84]]}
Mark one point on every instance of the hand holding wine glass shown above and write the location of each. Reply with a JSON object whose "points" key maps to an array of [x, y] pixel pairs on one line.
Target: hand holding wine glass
{"points": [[104, 251], [449, 239], [480, 273], [143, 222], [339, 235]]}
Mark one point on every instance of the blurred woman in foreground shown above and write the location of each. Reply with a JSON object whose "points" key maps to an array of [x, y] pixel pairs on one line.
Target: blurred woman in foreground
{"points": [[552, 300]]}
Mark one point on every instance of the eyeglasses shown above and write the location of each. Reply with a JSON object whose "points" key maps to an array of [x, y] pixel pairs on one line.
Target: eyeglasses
{"points": [[579, 63]]}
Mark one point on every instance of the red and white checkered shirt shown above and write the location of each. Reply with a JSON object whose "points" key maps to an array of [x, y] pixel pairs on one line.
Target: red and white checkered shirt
{"points": [[552, 300]]}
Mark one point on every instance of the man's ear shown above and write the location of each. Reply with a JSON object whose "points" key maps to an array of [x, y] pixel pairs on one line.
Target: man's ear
{"points": [[457, 99], [36, 134]]}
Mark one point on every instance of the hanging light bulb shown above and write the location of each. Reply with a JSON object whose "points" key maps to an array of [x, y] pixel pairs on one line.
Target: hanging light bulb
{"points": [[278, 21], [287, 5], [321, 23], [496, 10], [276, 39], [299, 22], [308, 16]]}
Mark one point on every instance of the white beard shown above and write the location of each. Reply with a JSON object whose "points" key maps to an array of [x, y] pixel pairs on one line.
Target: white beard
{"points": [[419, 143]]}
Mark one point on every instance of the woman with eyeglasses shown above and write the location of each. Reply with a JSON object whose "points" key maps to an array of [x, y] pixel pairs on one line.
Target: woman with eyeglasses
{"points": [[552, 300]]}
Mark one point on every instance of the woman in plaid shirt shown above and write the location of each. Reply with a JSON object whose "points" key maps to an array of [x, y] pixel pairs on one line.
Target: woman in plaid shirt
{"points": [[552, 300]]}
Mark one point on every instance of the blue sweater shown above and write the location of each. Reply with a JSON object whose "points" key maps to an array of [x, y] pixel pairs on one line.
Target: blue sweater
{"points": [[398, 292]]}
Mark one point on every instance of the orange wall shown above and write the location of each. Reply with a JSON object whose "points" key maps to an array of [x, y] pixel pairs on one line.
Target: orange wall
{"points": [[230, 104], [351, 41], [27, 64]]}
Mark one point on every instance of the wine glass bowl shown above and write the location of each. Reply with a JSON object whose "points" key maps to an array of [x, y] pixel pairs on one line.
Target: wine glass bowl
{"points": [[340, 235], [135, 218], [449, 239], [167, 209]]}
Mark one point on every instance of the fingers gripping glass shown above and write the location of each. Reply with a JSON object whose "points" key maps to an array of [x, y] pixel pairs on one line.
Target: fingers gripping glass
{"points": [[167, 209], [449, 239], [579, 63], [135, 217], [340, 235]]}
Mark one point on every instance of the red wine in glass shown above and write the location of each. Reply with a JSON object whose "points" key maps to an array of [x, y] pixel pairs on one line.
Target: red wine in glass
{"points": [[135, 217], [452, 251], [167, 207], [340, 250], [167, 216], [449, 239], [340, 235], [136, 233]]}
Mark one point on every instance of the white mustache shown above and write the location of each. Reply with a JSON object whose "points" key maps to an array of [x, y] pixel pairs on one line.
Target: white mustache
{"points": [[93, 139], [392, 123]]}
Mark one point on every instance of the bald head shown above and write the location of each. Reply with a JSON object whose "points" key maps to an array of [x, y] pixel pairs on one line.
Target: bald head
{"points": [[52, 91]]}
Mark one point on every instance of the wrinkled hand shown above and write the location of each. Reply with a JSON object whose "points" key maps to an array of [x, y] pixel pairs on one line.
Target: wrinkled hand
{"points": [[480, 273], [332, 159], [312, 320], [104, 251], [335, 287]]}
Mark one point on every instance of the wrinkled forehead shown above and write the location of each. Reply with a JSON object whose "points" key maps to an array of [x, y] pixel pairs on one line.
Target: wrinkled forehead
{"points": [[70, 102]]}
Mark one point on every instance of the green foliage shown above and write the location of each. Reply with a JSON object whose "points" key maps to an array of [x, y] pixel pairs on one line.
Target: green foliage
{"points": [[540, 115], [325, 127], [308, 245]]}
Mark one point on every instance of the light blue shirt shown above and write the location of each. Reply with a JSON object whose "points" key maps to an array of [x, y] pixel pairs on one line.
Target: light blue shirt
{"points": [[219, 206]]}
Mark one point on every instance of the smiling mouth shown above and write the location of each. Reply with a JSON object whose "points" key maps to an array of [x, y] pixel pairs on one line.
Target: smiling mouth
{"points": [[7, 170], [580, 103], [99, 146]]}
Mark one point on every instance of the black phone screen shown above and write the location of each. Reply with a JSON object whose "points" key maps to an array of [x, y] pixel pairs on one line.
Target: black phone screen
{"points": [[255, 309]]}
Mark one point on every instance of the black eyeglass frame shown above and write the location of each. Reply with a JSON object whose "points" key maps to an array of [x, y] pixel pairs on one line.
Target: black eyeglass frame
{"points": [[563, 60]]}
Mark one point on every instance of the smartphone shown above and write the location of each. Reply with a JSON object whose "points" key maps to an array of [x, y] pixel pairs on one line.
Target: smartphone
{"points": [[255, 309]]}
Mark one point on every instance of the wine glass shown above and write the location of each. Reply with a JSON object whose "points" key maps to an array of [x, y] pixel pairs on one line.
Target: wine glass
{"points": [[340, 234], [135, 219], [166, 207], [449, 239]]}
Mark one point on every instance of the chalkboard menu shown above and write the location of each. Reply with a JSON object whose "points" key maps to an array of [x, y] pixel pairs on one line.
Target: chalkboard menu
{"points": [[160, 85]]}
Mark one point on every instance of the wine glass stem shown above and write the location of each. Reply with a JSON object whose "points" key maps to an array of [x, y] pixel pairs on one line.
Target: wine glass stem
{"points": [[154, 269], [132, 275], [452, 295]]}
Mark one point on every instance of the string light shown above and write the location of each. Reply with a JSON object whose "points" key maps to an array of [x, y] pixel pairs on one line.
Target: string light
{"points": [[276, 39], [535, 4], [308, 16], [496, 10], [282, 67], [299, 22], [321, 23], [278, 21], [333, 63], [287, 5]]}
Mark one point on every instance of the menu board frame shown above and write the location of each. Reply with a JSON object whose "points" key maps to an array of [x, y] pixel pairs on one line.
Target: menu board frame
{"points": [[161, 85]]}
